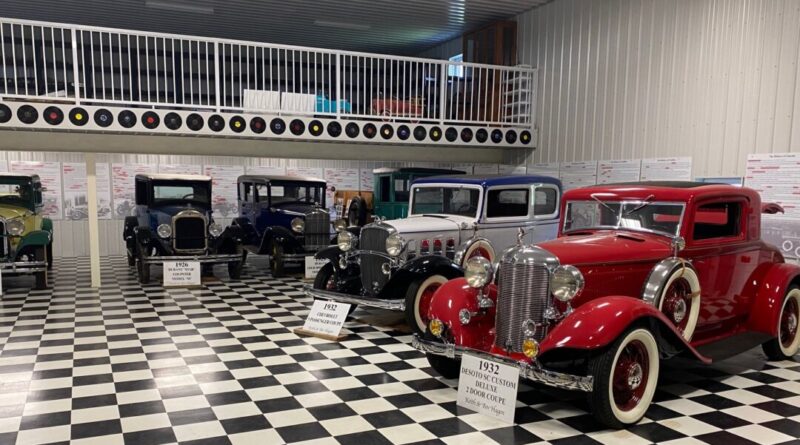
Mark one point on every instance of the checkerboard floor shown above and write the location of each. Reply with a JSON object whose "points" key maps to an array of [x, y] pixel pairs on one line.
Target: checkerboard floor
{"points": [[131, 364]]}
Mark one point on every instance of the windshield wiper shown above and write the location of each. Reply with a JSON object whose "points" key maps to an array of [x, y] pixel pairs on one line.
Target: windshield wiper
{"points": [[602, 203], [644, 204]]}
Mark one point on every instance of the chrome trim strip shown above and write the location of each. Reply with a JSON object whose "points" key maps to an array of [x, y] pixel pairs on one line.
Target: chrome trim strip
{"points": [[226, 258], [533, 372], [394, 305], [25, 266]]}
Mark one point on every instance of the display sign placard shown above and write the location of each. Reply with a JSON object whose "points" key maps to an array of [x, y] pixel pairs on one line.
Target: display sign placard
{"points": [[312, 266], [326, 318], [182, 273], [488, 387]]}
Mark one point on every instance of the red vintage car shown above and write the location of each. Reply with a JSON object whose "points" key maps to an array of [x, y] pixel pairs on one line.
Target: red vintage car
{"points": [[639, 273]]}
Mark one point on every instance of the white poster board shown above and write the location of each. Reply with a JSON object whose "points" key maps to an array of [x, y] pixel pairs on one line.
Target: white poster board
{"points": [[342, 178], [776, 177], [326, 318], [511, 169], [50, 175], [366, 180], [624, 170], [309, 172], [488, 387], [182, 273], [267, 170], [667, 169], [123, 186], [544, 169], [224, 196], [180, 169], [578, 174]]}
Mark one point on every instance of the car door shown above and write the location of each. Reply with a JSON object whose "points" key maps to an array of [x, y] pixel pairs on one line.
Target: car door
{"points": [[724, 258], [261, 206], [246, 201], [507, 208]]}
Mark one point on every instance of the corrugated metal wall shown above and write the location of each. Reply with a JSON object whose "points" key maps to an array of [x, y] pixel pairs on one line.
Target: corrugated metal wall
{"points": [[71, 238], [711, 79], [444, 51]]}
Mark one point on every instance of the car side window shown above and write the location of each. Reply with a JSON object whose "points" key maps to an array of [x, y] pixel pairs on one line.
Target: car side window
{"points": [[504, 203], [545, 201], [262, 194], [385, 189], [718, 220], [401, 190]]}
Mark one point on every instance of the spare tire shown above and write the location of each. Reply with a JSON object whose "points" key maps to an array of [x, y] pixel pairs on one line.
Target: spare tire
{"points": [[357, 212]]}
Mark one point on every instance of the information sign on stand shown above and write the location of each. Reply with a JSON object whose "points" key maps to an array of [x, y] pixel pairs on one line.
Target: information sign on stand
{"points": [[488, 387], [325, 320], [313, 265], [182, 273]]}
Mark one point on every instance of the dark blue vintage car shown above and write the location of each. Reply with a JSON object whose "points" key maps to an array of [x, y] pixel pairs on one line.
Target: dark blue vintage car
{"points": [[283, 217], [172, 221]]}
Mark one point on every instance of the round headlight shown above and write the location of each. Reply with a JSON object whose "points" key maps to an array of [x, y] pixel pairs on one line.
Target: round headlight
{"points": [[340, 225], [215, 229], [298, 225], [478, 271], [15, 227], [164, 230], [394, 244], [345, 241], [567, 282]]}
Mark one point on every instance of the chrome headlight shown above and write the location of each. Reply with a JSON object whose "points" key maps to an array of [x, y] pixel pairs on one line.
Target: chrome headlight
{"points": [[215, 229], [478, 271], [298, 225], [340, 225], [395, 244], [567, 281], [15, 227], [345, 240], [164, 230]]}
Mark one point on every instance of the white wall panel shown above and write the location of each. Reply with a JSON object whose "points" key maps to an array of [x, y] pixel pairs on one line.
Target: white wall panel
{"points": [[711, 79]]}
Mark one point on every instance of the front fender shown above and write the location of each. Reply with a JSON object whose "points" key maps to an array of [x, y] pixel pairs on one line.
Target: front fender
{"points": [[249, 233], [281, 236], [47, 225], [330, 253], [766, 307], [597, 323], [34, 238], [456, 295], [420, 267]]}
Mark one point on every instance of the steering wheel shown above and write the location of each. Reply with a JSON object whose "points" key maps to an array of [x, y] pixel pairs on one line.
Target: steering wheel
{"points": [[188, 196]]}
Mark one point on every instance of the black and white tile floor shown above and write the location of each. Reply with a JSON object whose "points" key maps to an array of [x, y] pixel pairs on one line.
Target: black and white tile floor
{"points": [[131, 364]]}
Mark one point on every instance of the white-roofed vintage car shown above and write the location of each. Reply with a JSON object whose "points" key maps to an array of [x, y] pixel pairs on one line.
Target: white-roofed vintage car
{"points": [[172, 221], [398, 264]]}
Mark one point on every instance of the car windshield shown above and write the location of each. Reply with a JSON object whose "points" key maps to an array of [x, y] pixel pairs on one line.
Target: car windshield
{"points": [[285, 193], [170, 192], [660, 217], [445, 201], [16, 192]]}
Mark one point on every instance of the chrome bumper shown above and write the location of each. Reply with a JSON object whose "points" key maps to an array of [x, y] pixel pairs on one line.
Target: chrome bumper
{"points": [[394, 305], [531, 372], [227, 258], [23, 267]]}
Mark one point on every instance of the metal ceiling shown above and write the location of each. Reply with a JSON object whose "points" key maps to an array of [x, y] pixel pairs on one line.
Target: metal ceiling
{"points": [[404, 27]]}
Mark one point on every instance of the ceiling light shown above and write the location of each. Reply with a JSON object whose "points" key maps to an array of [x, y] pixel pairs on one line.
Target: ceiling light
{"points": [[342, 25], [178, 7]]}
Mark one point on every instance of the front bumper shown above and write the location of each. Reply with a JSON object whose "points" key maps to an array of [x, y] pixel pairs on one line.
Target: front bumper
{"points": [[205, 259], [531, 372], [394, 305], [23, 267]]}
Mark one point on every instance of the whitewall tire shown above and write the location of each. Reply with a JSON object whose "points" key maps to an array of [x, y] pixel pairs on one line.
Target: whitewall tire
{"points": [[418, 299], [479, 248], [680, 300], [787, 343]]}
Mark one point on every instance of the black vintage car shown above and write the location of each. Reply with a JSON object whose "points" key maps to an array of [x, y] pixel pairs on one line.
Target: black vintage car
{"points": [[172, 221], [284, 217]]}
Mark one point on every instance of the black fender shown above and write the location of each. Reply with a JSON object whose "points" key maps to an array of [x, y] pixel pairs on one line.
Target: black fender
{"points": [[229, 240], [128, 230], [144, 235], [249, 234], [348, 280], [281, 236], [418, 268], [330, 253]]}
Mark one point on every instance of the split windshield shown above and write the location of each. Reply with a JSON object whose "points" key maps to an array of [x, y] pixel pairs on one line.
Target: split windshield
{"points": [[445, 201], [170, 192], [660, 217]]}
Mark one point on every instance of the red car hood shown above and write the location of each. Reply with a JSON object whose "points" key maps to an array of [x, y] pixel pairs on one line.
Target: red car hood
{"points": [[608, 247]]}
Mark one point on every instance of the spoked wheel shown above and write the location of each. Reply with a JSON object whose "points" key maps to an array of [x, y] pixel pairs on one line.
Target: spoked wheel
{"points": [[625, 378], [787, 344], [680, 301], [418, 300], [276, 261], [326, 280]]}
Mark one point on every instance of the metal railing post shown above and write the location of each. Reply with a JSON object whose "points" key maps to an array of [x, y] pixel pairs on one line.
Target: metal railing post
{"points": [[75, 70], [337, 102], [443, 93], [216, 75]]}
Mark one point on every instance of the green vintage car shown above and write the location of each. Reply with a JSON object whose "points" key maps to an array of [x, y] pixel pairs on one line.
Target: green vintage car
{"points": [[27, 236]]}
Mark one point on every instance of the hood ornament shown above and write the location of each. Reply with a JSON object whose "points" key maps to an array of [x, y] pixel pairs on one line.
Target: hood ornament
{"points": [[520, 236]]}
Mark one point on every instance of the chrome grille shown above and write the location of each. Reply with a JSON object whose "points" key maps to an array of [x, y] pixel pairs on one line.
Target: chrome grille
{"points": [[317, 233], [189, 232], [373, 238], [523, 294]]}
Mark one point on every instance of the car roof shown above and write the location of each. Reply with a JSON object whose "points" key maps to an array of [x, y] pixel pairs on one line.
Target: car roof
{"points": [[660, 190], [432, 171], [269, 178], [32, 177], [172, 177], [489, 180]]}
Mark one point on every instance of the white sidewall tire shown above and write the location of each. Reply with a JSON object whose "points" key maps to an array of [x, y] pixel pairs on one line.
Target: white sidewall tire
{"points": [[478, 245], [795, 346], [690, 276], [634, 415], [434, 279]]}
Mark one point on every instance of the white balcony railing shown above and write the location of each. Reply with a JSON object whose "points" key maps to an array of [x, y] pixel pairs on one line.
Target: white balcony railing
{"points": [[41, 61]]}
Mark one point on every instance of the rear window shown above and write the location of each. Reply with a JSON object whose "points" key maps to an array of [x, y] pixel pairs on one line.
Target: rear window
{"points": [[507, 203], [545, 201], [718, 220]]}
